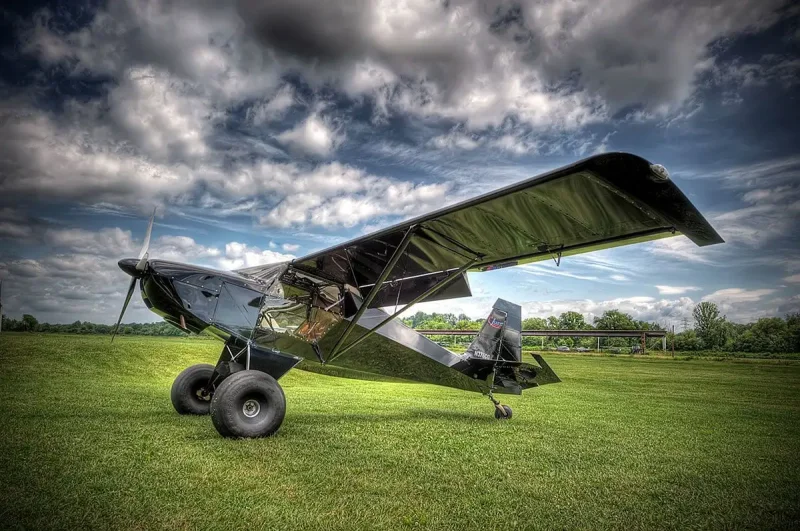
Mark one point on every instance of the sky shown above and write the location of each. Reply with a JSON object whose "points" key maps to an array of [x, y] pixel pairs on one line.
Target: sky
{"points": [[266, 130]]}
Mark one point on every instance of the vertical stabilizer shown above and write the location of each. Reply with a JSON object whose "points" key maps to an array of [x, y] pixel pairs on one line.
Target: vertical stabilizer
{"points": [[500, 335]]}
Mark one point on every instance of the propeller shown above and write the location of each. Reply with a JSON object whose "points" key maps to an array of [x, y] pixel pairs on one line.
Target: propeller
{"points": [[141, 265]]}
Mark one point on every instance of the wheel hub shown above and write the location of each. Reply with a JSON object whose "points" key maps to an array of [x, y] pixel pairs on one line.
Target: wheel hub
{"points": [[202, 395], [251, 408]]}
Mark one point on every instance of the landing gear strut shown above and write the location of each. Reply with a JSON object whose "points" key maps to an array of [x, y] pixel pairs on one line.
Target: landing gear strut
{"points": [[501, 411]]}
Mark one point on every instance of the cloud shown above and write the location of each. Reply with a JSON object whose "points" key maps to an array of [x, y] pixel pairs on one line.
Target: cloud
{"points": [[736, 75], [12, 230], [540, 270], [335, 194], [314, 136], [455, 140], [239, 255], [738, 295], [546, 64], [619, 278], [676, 290], [290, 247], [744, 305], [72, 159], [274, 108], [680, 248], [792, 279]]}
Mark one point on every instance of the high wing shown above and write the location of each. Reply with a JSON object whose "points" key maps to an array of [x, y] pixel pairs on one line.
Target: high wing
{"points": [[600, 202]]}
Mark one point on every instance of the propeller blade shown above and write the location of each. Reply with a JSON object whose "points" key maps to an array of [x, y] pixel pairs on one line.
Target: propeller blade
{"points": [[124, 307], [146, 245]]}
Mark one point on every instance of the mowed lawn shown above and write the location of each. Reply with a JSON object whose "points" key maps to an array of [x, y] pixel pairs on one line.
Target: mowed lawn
{"points": [[90, 440]]}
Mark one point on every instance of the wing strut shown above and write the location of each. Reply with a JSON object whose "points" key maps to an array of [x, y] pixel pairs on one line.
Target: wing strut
{"points": [[375, 289], [454, 275]]}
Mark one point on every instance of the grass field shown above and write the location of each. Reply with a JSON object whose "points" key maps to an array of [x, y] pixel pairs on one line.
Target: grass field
{"points": [[90, 440]]}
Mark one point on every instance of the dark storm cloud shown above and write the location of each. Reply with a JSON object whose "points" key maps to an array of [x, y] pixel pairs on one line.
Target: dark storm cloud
{"points": [[625, 53], [310, 30]]}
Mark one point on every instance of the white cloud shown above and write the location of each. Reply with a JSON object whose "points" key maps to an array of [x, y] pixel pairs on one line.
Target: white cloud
{"points": [[455, 140], [737, 295], [619, 278], [290, 247], [676, 290], [163, 115], [514, 144], [335, 194], [274, 108], [744, 305], [541, 270], [792, 279], [239, 255], [680, 248], [313, 136], [10, 229]]}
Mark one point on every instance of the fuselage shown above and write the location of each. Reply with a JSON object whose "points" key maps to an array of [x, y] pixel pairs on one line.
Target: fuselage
{"points": [[294, 319]]}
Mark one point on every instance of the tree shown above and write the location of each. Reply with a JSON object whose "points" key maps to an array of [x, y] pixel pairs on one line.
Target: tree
{"points": [[614, 320], [534, 323], [709, 325], [793, 332], [688, 340], [571, 321], [29, 323], [770, 335]]}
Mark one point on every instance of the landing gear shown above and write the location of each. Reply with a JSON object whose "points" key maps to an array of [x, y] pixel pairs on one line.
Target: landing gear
{"points": [[501, 412], [248, 404], [188, 390]]}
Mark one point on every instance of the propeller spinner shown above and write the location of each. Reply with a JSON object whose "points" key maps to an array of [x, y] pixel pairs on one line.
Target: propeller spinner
{"points": [[135, 267]]}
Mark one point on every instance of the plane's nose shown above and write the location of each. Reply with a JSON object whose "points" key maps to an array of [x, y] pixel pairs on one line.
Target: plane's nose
{"points": [[129, 266]]}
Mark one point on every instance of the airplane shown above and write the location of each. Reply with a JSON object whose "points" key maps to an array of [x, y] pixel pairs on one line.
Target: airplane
{"points": [[324, 310]]}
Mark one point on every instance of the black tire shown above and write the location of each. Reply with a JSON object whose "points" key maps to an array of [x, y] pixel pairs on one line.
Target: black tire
{"points": [[186, 388], [248, 404], [505, 415]]}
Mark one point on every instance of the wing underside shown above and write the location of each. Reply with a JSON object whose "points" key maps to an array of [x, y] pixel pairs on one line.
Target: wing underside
{"points": [[604, 201]]}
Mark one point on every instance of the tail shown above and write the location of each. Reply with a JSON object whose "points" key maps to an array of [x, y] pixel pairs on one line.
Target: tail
{"points": [[498, 350], [500, 335]]}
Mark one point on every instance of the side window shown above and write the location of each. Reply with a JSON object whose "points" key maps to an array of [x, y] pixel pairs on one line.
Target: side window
{"points": [[237, 309], [282, 316], [306, 312]]}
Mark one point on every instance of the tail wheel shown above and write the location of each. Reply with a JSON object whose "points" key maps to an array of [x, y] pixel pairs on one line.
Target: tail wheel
{"points": [[248, 404], [505, 414], [188, 394]]}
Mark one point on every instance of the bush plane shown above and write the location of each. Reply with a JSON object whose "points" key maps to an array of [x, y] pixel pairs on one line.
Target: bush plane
{"points": [[324, 309]]}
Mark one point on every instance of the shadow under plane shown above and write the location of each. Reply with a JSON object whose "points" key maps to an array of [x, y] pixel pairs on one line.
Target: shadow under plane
{"points": [[322, 312]]}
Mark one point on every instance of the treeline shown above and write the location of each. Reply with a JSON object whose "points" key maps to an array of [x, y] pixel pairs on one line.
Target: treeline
{"points": [[711, 331], [29, 323]]}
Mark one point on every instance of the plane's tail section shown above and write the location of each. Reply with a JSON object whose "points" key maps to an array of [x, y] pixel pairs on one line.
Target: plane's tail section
{"points": [[497, 352], [500, 335]]}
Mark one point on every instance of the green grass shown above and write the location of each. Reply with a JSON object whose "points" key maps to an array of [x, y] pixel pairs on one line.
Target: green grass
{"points": [[90, 440]]}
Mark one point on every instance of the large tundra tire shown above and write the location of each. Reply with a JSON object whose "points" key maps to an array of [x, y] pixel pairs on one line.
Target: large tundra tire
{"points": [[248, 404], [186, 394]]}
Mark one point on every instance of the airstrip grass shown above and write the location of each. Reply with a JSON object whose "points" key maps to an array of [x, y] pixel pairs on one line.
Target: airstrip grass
{"points": [[90, 440]]}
